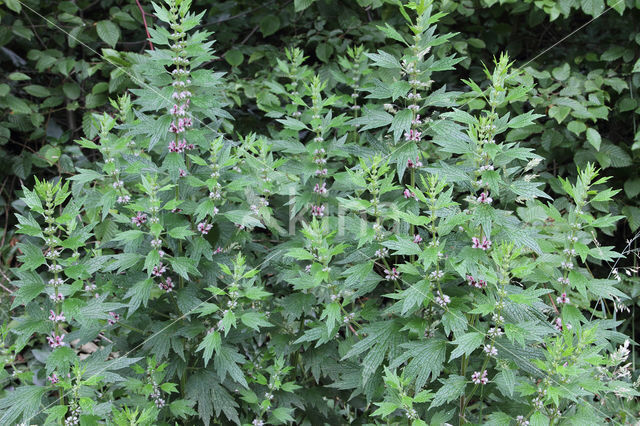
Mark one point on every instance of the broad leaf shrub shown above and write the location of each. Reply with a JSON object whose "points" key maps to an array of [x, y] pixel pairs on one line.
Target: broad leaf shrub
{"points": [[380, 255]]}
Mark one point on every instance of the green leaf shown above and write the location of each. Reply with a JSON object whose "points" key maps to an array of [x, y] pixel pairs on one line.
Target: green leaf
{"points": [[130, 235], [562, 72], [23, 401], [427, 360], [32, 256], [211, 342], [255, 320], [182, 408], [234, 57], [61, 360], [401, 123], [226, 361], [71, 90], [452, 388], [14, 5], [466, 343], [392, 33], [576, 127], [324, 51], [594, 138], [371, 119], [300, 5], [108, 32], [523, 120], [403, 246], [269, 24], [283, 414], [180, 232], [506, 381], [384, 60], [37, 90], [30, 285]]}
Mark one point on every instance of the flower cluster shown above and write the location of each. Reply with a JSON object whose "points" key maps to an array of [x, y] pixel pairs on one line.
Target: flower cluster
{"points": [[480, 377], [478, 283], [485, 244]]}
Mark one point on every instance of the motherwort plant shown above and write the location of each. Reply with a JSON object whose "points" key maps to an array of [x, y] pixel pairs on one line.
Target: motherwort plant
{"points": [[380, 252]]}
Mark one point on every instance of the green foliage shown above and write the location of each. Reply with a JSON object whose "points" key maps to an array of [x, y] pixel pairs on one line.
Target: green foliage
{"points": [[379, 220]]}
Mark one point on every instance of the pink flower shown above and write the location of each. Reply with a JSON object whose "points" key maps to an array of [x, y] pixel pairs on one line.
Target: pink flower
{"points": [[204, 228], [476, 283], [55, 341], [416, 120], [56, 318], [317, 211], [442, 299], [53, 378], [484, 245], [559, 326], [139, 219], [177, 147], [167, 285], [480, 377], [392, 274], [562, 299], [320, 189], [408, 194], [413, 135], [57, 297], [114, 318], [182, 172], [417, 238], [159, 270], [484, 198]]}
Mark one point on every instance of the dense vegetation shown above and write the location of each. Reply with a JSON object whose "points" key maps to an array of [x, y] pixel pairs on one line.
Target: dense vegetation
{"points": [[369, 212]]}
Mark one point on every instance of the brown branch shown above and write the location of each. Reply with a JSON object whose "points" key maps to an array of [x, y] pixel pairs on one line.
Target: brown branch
{"points": [[144, 20]]}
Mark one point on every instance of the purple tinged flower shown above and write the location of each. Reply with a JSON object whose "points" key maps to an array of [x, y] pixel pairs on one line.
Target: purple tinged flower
{"points": [[414, 164], [167, 285], [442, 299], [480, 378], [320, 189], [123, 199], [159, 270], [182, 172], [139, 219], [408, 194], [490, 350], [114, 318], [56, 318], [562, 299], [204, 228], [317, 211], [57, 297], [417, 238], [558, 325], [484, 198], [53, 378], [484, 245], [392, 274], [476, 283], [413, 135], [55, 341]]}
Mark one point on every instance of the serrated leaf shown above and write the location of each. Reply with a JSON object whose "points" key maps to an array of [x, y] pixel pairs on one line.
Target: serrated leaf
{"points": [[108, 32]]}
